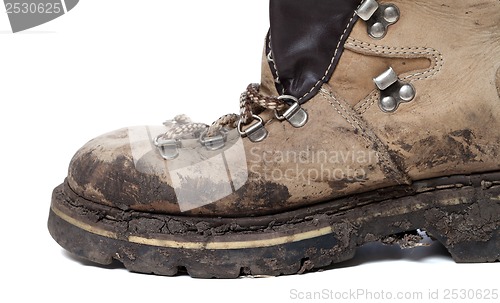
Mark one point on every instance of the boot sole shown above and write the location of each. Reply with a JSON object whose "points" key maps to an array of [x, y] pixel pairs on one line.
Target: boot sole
{"points": [[461, 212]]}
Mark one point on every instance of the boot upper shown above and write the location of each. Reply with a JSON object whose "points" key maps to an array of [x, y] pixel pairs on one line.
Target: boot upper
{"points": [[449, 54]]}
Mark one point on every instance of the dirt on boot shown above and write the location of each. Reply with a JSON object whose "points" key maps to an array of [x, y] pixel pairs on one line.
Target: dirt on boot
{"points": [[373, 122]]}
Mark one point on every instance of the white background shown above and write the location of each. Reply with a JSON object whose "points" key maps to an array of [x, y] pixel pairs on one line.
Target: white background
{"points": [[115, 63]]}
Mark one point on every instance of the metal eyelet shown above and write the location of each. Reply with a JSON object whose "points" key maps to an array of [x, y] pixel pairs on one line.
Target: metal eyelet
{"points": [[255, 132], [378, 17], [215, 142], [393, 91], [295, 114], [168, 147]]}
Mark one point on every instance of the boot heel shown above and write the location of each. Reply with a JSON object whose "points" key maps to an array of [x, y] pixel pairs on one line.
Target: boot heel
{"points": [[476, 251], [471, 234]]}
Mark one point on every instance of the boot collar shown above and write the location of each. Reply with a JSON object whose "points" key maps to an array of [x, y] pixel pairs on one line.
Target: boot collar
{"points": [[306, 41]]}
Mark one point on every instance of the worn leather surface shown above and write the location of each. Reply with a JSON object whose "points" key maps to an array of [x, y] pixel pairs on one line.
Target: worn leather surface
{"points": [[449, 51], [353, 79], [288, 170], [453, 125], [306, 39]]}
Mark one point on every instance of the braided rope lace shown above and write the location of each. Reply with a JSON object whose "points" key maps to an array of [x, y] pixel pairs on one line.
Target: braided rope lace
{"points": [[251, 101]]}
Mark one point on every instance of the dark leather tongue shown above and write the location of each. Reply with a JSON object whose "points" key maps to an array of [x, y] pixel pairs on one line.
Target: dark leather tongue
{"points": [[307, 39]]}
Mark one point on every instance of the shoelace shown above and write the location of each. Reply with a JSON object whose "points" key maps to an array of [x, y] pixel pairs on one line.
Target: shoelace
{"points": [[251, 102]]}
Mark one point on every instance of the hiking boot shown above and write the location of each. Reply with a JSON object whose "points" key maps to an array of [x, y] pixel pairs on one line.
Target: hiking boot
{"points": [[372, 120]]}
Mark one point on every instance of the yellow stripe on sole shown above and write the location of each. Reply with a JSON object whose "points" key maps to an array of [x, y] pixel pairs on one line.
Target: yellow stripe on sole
{"points": [[233, 244], [84, 226], [198, 245]]}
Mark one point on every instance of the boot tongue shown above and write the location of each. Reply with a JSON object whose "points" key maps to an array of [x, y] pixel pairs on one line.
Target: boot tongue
{"points": [[307, 39]]}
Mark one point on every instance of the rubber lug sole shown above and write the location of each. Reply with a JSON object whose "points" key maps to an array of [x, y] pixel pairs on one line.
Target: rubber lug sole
{"points": [[461, 212]]}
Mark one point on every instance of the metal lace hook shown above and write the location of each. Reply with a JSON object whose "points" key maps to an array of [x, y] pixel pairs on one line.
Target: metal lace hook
{"points": [[255, 132], [295, 114]]}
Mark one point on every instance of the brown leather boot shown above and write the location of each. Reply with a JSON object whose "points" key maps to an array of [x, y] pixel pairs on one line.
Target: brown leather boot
{"points": [[372, 120]]}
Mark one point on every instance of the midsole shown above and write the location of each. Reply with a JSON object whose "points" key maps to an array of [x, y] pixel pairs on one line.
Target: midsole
{"points": [[308, 223], [196, 245]]}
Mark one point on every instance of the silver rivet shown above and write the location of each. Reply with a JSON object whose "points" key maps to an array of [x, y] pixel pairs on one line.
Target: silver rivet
{"points": [[378, 17], [388, 104], [391, 14], [407, 92], [393, 91], [377, 30]]}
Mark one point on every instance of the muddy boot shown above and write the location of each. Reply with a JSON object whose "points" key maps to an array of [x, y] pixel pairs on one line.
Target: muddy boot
{"points": [[373, 120]]}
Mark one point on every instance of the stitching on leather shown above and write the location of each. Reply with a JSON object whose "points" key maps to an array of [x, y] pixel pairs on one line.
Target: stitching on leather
{"points": [[436, 58], [274, 67], [341, 114], [430, 53], [335, 54], [330, 97], [345, 110], [373, 97], [385, 160]]}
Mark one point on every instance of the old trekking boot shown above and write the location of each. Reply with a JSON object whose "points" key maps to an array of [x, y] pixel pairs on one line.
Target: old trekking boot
{"points": [[373, 119]]}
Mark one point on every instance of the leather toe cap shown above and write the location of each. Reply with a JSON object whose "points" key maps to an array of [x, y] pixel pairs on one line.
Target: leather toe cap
{"points": [[122, 169]]}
